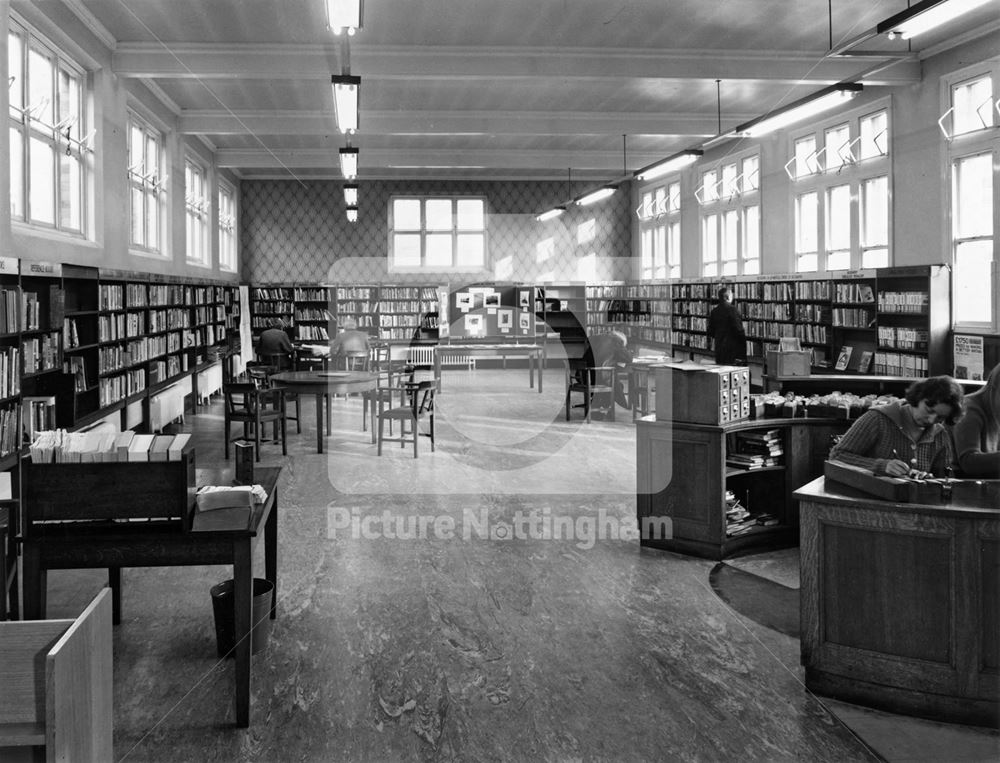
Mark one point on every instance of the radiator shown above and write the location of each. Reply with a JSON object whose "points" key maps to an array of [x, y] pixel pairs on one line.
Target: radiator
{"points": [[424, 356]]}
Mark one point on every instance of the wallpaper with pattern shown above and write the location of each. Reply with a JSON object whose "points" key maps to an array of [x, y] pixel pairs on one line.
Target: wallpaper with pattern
{"points": [[298, 232]]}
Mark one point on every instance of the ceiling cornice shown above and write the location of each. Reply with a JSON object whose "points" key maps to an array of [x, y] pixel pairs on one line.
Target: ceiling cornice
{"points": [[90, 21], [961, 39]]}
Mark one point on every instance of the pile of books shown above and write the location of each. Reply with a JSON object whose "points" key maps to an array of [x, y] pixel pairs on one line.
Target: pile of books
{"points": [[98, 446], [755, 450], [738, 518]]}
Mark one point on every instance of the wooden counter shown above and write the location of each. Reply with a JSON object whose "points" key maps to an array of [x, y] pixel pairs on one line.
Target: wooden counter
{"points": [[900, 601]]}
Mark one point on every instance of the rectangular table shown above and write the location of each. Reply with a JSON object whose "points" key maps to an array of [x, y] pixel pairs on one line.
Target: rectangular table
{"points": [[117, 544], [534, 352]]}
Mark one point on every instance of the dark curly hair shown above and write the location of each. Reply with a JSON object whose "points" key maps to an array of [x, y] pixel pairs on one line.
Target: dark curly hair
{"points": [[937, 390]]}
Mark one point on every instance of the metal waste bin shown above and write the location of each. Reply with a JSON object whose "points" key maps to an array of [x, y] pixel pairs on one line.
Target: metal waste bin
{"points": [[224, 609]]}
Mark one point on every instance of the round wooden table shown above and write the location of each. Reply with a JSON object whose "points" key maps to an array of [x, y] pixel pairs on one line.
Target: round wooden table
{"points": [[325, 383]]}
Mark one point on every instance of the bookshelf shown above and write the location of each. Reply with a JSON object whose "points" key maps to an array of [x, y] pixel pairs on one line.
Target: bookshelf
{"points": [[913, 321], [406, 311], [313, 312], [360, 303], [641, 311], [268, 303]]}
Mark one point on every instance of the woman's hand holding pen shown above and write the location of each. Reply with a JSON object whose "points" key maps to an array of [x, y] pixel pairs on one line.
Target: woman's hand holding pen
{"points": [[896, 467]]}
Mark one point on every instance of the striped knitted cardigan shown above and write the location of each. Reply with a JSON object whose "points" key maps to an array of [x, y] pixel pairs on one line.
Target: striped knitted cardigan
{"points": [[878, 437]]}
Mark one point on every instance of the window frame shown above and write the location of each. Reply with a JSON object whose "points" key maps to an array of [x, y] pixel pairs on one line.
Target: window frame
{"points": [[228, 221], [150, 185], [197, 212], [660, 230], [828, 167], [955, 149], [424, 232], [66, 147], [724, 251]]}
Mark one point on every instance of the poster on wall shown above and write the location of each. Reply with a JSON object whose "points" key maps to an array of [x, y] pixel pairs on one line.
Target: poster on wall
{"points": [[968, 354], [524, 322], [505, 320], [474, 325]]}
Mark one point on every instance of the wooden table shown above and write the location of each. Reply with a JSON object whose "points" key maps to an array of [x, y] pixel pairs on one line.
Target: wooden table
{"points": [[114, 545], [325, 383], [534, 352], [900, 602]]}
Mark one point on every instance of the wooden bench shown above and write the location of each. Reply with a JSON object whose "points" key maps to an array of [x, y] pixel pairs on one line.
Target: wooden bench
{"points": [[57, 688]]}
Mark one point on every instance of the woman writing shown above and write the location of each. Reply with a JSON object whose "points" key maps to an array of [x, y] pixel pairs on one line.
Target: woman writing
{"points": [[901, 437], [977, 435]]}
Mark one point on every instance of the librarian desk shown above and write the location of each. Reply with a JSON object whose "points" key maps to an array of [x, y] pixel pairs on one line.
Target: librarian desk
{"points": [[322, 384], [861, 384], [900, 600], [117, 544]]}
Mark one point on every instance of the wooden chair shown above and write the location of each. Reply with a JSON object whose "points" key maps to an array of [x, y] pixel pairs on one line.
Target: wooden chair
{"points": [[255, 407], [260, 372], [387, 373], [57, 685], [415, 402], [590, 381]]}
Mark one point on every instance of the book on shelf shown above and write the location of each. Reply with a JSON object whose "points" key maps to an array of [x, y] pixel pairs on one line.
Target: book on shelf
{"points": [[865, 361], [138, 449], [844, 358], [176, 450], [161, 444]]}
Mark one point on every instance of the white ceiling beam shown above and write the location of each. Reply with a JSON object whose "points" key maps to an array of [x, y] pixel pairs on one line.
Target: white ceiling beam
{"points": [[609, 162], [455, 123], [271, 62]]}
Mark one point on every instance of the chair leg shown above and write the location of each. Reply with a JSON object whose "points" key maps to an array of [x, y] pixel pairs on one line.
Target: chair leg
{"points": [[431, 419], [416, 436], [284, 435], [256, 436], [567, 403], [381, 426], [227, 426]]}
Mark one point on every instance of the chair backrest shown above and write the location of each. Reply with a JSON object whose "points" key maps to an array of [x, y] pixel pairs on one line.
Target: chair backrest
{"points": [[356, 361], [244, 398]]}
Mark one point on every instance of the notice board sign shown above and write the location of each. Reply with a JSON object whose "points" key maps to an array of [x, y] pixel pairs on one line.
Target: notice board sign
{"points": [[968, 354]]}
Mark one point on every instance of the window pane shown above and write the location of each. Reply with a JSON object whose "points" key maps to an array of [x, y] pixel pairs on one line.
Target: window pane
{"points": [[660, 202], [471, 250], [973, 296], [806, 223], [471, 214], [40, 86], [406, 250], [730, 247], [16, 174], [973, 104], [838, 260], [751, 174], [709, 239], [15, 62], [836, 138], [805, 148], [674, 197], [152, 212], [406, 214], [838, 217], [42, 191], [438, 252], [729, 186], [807, 263], [709, 190], [875, 258], [710, 269], [751, 239], [875, 213], [674, 250], [874, 135], [70, 191], [646, 253], [438, 213], [69, 100], [660, 252], [974, 196]]}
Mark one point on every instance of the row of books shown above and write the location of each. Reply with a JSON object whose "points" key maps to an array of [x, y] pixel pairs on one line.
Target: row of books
{"points": [[900, 364], [755, 449], [903, 338], [10, 302], [903, 301], [57, 446]]}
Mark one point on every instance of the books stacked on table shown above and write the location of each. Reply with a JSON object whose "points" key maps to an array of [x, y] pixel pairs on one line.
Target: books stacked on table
{"points": [[738, 518], [755, 450]]}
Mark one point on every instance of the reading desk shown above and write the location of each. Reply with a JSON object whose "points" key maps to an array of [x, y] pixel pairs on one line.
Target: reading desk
{"points": [[92, 516]]}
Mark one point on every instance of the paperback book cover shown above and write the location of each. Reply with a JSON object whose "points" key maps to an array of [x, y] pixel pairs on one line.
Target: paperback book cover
{"points": [[844, 358]]}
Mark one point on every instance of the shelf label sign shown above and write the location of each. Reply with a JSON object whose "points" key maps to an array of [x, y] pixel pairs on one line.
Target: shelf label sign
{"points": [[41, 269], [9, 265]]}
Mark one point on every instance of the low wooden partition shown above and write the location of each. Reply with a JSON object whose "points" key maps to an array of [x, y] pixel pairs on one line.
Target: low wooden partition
{"points": [[57, 686], [900, 600]]}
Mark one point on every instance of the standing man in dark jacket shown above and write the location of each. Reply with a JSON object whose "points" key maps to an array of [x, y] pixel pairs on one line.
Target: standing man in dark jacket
{"points": [[726, 329]]}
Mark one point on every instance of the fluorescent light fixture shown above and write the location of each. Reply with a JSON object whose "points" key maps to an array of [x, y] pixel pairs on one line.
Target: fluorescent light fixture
{"points": [[592, 197], [349, 162], [924, 16], [346, 92], [820, 101], [344, 15], [670, 164], [351, 194], [551, 214], [352, 214]]}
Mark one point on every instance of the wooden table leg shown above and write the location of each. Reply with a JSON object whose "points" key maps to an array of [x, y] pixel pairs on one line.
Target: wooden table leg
{"points": [[243, 595], [271, 553], [319, 422], [34, 583], [531, 370]]}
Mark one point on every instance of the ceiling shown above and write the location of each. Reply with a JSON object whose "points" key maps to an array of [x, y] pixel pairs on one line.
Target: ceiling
{"points": [[493, 89]]}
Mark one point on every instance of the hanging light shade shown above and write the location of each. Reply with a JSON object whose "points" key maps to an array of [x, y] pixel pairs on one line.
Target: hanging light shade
{"points": [[352, 214], [349, 162], [925, 16], [551, 214], [344, 15], [599, 194], [346, 96], [351, 194], [818, 102], [670, 164]]}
